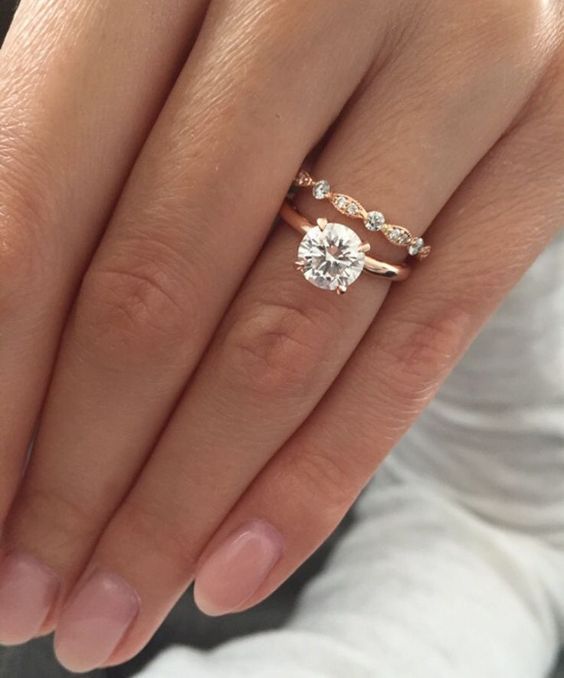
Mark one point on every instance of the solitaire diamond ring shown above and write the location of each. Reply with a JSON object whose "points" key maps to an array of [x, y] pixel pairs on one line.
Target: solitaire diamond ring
{"points": [[331, 256]]}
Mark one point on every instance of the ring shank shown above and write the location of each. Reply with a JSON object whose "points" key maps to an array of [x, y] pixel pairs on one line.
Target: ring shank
{"points": [[392, 272]]}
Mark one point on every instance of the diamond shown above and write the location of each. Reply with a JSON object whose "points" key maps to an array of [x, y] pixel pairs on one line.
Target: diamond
{"points": [[321, 189], [346, 205], [374, 221], [399, 235], [416, 246], [331, 257], [341, 202]]}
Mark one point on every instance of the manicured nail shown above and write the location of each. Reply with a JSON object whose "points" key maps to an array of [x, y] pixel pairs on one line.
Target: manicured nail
{"points": [[28, 590], [94, 622], [235, 571]]}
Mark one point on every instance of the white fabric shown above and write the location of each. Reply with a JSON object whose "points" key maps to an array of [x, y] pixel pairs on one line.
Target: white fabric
{"points": [[455, 565]]}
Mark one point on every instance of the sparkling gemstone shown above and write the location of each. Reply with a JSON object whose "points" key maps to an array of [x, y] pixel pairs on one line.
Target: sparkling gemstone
{"points": [[331, 257], [346, 205], [399, 235], [321, 189], [416, 247], [374, 221]]}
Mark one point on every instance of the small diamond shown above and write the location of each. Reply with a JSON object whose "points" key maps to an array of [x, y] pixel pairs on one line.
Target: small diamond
{"points": [[399, 235], [321, 189], [374, 221], [331, 258], [346, 205], [416, 247]]}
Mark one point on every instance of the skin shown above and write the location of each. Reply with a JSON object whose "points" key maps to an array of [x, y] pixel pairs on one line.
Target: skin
{"points": [[185, 379]]}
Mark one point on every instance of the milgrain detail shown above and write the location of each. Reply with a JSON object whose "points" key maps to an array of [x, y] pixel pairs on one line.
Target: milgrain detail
{"points": [[373, 220]]}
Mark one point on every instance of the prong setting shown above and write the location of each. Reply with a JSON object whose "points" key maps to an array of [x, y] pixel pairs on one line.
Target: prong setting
{"points": [[331, 256]]}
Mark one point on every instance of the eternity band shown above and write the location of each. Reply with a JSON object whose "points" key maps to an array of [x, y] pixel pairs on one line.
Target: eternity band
{"points": [[373, 220]]}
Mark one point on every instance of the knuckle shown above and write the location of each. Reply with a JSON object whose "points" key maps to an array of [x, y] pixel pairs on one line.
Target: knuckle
{"points": [[419, 353], [509, 25], [507, 35], [329, 476], [55, 516], [135, 312], [276, 347], [149, 525]]}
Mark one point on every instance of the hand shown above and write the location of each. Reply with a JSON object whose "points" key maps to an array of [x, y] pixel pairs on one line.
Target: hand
{"points": [[211, 414]]}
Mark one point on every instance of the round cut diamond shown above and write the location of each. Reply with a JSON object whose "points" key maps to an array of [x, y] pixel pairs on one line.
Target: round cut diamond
{"points": [[416, 246], [331, 257], [374, 221], [321, 189]]}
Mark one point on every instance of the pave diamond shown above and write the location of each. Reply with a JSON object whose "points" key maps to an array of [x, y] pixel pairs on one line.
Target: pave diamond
{"points": [[374, 221], [398, 235], [330, 256], [346, 205], [321, 189], [416, 246]]}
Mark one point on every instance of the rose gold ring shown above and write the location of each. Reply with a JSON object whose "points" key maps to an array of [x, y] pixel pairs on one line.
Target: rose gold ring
{"points": [[373, 220], [331, 256]]}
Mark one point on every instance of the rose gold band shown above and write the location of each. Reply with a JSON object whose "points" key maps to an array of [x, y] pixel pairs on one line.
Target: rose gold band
{"points": [[373, 220], [393, 272]]}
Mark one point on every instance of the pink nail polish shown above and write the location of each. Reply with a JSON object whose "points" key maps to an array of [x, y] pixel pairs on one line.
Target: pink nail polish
{"points": [[94, 621], [235, 571], [28, 589]]}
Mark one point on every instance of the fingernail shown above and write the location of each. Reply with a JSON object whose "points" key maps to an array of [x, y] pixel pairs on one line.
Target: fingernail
{"points": [[28, 589], [94, 622], [235, 571]]}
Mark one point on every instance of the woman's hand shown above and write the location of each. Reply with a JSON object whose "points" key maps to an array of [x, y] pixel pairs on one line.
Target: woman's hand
{"points": [[210, 414]]}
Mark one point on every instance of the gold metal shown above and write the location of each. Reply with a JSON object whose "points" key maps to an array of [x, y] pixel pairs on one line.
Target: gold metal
{"points": [[343, 203], [393, 272]]}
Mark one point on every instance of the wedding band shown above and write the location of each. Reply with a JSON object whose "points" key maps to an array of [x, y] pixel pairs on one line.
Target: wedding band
{"points": [[373, 220], [331, 256]]}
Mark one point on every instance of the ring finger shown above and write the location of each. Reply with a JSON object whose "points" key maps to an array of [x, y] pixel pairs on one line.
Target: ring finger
{"points": [[262, 376]]}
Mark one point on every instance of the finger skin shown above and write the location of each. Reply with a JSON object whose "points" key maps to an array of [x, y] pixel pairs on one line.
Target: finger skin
{"points": [[197, 207], [423, 328], [62, 164], [176, 484]]}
